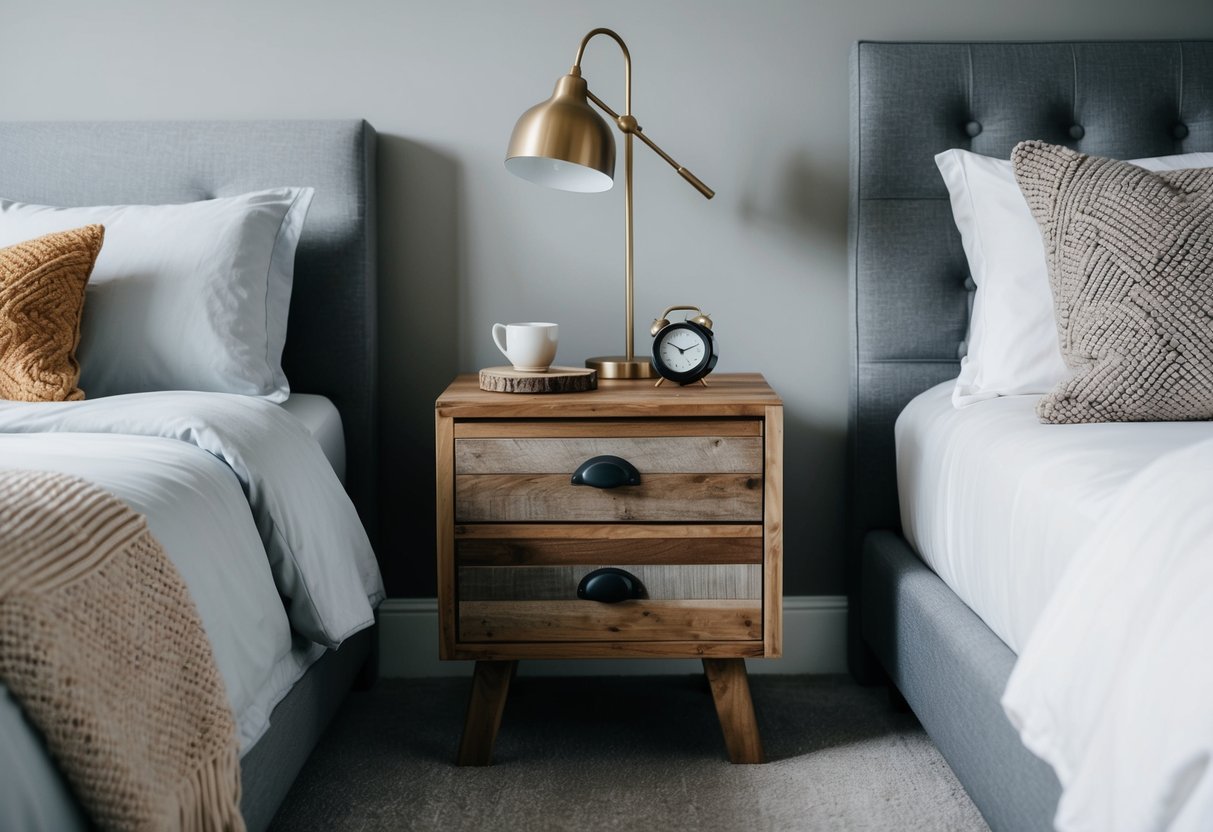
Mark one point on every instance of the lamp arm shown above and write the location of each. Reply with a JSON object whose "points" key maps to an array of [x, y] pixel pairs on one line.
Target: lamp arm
{"points": [[627, 121], [628, 124]]}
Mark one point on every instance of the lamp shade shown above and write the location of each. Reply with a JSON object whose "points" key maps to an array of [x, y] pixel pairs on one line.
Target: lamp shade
{"points": [[563, 143]]}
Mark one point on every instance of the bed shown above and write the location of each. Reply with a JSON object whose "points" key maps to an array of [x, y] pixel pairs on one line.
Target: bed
{"points": [[911, 297], [161, 450]]}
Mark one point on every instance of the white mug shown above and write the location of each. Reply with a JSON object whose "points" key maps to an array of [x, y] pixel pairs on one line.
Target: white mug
{"points": [[530, 347]]}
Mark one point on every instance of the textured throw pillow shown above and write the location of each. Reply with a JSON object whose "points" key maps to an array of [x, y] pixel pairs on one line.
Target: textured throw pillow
{"points": [[1012, 337], [1130, 258], [41, 297]]}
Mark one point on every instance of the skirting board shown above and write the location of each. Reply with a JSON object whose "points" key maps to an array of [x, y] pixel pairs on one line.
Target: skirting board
{"points": [[814, 641]]}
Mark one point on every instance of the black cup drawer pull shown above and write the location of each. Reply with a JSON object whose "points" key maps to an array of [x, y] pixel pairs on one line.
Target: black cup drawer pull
{"points": [[606, 472], [609, 586]]}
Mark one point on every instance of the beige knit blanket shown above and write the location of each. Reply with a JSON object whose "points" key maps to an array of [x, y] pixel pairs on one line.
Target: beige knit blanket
{"points": [[102, 646]]}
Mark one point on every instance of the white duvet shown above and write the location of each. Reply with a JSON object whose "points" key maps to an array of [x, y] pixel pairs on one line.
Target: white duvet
{"points": [[1114, 687], [247, 508]]}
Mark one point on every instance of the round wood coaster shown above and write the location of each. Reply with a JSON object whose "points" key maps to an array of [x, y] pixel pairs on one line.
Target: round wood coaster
{"points": [[553, 380]]}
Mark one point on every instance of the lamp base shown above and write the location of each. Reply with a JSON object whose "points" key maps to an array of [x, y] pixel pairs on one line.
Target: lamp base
{"points": [[619, 366]]}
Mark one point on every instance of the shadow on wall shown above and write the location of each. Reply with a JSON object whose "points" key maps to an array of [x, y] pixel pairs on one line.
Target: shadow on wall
{"points": [[814, 457], [800, 200], [804, 199], [419, 284]]}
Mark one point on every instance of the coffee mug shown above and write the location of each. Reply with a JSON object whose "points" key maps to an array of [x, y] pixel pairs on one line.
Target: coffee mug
{"points": [[530, 347]]}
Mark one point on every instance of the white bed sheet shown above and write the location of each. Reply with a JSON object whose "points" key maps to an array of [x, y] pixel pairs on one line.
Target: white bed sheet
{"points": [[323, 421], [997, 503], [1114, 687], [318, 551]]}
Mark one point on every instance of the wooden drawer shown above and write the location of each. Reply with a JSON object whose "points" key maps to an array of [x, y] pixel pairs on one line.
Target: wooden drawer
{"points": [[518, 582], [524, 544], [698, 471], [587, 621], [683, 582]]}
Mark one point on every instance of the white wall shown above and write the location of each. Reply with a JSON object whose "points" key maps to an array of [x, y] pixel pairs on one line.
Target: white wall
{"points": [[750, 96]]}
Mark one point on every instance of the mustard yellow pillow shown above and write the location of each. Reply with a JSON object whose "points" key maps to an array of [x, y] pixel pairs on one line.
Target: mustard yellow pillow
{"points": [[41, 297]]}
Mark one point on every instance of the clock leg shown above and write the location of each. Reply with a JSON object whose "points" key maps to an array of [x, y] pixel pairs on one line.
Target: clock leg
{"points": [[661, 381], [731, 693], [490, 687]]}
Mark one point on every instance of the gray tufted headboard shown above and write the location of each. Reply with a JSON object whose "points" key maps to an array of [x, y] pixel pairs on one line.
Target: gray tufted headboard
{"points": [[909, 284], [331, 343]]}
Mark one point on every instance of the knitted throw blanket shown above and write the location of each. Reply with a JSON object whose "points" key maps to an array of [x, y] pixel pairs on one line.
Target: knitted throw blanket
{"points": [[102, 646]]}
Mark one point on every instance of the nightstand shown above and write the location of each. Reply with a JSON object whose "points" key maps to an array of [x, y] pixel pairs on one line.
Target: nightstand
{"points": [[679, 513]]}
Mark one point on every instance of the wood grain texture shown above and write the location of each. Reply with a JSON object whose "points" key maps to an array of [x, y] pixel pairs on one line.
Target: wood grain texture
{"points": [[555, 621], [731, 693], [670, 548], [609, 650], [486, 703], [650, 455], [444, 484], [544, 533], [556, 583], [554, 380], [529, 498], [772, 503], [604, 531], [729, 394], [563, 428]]}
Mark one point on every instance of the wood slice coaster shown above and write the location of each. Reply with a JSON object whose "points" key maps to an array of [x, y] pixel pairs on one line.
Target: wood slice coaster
{"points": [[553, 380]]}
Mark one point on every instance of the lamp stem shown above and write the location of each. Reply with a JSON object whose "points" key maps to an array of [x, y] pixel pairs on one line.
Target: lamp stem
{"points": [[627, 366], [627, 242]]}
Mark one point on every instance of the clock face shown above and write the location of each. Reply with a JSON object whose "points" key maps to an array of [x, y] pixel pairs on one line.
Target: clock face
{"points": [[684, 352]]}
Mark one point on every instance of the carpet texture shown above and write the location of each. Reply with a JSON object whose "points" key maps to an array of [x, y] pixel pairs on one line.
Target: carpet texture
{"points": [[627, 753]]}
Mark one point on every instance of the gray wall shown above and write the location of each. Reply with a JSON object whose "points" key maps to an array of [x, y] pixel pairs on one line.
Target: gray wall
{"points": [[750, 96]]}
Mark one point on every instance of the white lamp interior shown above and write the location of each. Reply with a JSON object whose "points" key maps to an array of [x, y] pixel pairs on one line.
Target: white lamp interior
{"points": [[555, 173]]}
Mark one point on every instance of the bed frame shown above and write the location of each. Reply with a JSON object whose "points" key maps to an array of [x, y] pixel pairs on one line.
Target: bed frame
{"points": [[331, 346], [910, 298]]}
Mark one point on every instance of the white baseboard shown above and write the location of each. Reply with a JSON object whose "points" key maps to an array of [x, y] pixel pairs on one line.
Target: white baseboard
{"points": [[814, 641]]}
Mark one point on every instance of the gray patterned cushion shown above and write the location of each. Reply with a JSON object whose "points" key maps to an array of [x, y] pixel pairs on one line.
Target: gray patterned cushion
{"points": [[1130, 256]]}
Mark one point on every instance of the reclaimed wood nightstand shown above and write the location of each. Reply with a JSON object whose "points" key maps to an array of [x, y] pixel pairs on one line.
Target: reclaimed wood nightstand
{"points": [[629, 521]]}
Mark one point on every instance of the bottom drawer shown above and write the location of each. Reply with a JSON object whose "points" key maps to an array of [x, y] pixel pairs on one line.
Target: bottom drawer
{"points": [[640, 620]]}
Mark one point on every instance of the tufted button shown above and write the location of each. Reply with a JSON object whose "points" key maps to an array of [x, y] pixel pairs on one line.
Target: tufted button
{"points": [[1179, 131], [1076, 132], [973, 129]]}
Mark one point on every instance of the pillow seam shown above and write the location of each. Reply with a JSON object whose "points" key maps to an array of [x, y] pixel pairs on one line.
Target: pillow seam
{"points": [[977, 284], [269, 276]]}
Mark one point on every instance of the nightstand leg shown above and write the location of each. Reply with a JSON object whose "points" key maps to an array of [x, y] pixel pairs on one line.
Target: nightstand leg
{"points": [[731, 693], [490, 687]]}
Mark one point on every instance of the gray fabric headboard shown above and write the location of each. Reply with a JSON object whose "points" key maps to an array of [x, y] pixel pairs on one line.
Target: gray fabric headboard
{"points": [[909, 282], [331, 341]]}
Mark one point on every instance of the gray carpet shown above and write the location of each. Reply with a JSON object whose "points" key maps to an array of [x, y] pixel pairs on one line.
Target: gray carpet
{"points": [[627, 753]]}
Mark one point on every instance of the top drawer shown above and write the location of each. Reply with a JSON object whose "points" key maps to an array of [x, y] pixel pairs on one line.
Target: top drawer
{"points": [[520, 471]]}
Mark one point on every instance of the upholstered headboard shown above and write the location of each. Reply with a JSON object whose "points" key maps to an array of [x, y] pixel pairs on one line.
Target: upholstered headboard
{"points": [[331, 344], [909, 280]]}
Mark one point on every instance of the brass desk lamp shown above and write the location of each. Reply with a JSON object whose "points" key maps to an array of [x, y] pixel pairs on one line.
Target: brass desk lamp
{"points": [[562, 143]]}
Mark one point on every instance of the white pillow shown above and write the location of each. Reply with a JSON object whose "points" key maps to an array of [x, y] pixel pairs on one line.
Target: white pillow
{"points": [[1012, 341], [191, 296]]}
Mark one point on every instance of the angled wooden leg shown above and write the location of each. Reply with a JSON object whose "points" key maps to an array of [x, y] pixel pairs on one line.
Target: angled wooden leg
{"points": [[490, 687], [731, 693]]}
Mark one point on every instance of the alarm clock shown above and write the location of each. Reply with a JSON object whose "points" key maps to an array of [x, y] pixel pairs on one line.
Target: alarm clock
{"points": [[684, 352]]}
